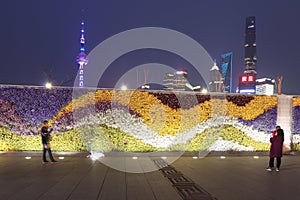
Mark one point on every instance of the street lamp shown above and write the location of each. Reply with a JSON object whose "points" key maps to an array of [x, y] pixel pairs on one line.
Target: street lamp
{"points": [[204, 91], [48, 85], [124, 87]]}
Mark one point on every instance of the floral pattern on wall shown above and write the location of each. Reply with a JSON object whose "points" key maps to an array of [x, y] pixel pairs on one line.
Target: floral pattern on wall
{"points": [[138, 120]]}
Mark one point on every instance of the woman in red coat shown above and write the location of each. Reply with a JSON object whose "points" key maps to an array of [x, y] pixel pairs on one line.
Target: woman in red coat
{"points": [[276, 148]]}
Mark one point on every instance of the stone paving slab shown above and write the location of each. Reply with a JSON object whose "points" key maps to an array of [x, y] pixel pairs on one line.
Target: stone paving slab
{"points": [[244, 177], [77, 177]]}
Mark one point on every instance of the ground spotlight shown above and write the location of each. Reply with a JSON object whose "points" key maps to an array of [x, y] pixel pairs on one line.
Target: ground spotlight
{"points": [[96, 155]]}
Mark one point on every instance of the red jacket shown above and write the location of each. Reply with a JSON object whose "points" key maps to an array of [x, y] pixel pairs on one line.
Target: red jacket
{"points": [[276, 145]]}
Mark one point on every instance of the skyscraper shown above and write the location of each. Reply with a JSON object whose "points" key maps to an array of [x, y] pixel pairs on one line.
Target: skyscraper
{"points": [[81, 58], [176, 81], [216, 83], [247, 81], [250, 45], [226, 70]]}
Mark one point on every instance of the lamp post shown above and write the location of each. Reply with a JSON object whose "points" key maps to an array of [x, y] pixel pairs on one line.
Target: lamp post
{"points": [[124, 87], [48, 85], [204, 91]]}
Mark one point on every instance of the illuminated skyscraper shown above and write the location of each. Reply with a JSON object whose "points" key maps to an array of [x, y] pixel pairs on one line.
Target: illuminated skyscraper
{"points": [[250, 45], [176, 81], [247, 81], [81, 58], [226, 70], [216, 83]]}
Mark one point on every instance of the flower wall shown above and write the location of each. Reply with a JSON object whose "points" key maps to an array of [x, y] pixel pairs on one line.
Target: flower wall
{"points": [[296, 122], [139, 121]]}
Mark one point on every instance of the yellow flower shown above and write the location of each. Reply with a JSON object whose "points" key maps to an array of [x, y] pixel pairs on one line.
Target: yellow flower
{"points": [[296, 101], [256, 107]]}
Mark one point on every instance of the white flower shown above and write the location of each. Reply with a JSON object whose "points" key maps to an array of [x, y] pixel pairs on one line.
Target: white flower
{"points": [[135, 127]]}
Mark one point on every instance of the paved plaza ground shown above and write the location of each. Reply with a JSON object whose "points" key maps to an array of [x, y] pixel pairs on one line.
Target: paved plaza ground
{"points": [[77, 177]]}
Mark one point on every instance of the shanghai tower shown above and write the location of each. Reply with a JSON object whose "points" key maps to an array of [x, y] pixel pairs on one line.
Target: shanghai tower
{"points": [[247, 80], [250, 45]]}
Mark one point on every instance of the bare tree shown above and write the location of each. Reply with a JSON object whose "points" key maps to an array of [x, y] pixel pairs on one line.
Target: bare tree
{"points": [[50, 77]]}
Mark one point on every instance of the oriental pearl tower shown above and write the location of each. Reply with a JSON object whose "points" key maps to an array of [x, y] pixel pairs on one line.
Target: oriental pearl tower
{"points": [[81, 58]]}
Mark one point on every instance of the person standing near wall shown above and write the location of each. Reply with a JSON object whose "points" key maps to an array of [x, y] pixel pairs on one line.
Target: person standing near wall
{"points": [[45, 132], [276, 140]]}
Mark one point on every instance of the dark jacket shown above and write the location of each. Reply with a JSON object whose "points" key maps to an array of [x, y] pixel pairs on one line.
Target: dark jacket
{"points": [[45, 135], [276, 144]]}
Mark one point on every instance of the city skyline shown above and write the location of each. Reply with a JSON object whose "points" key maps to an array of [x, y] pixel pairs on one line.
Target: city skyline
{"points": [[41, 36]]}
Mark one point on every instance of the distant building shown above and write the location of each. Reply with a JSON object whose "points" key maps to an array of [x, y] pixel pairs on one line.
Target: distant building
{"points": [[216, 82], [248, 79], [175, 81], [250, 45], [247, 84], [265, 86], [226, 70]]}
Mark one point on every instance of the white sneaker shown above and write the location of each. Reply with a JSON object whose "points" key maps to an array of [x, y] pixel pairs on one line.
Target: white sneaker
{"points": [[277, 169], [269, 169]]}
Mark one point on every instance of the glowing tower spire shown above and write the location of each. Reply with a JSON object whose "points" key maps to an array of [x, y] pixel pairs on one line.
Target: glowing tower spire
{"points": [[81, 58]]}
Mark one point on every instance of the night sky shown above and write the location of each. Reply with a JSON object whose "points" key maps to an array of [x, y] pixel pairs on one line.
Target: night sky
{"points": [[43, 36]]}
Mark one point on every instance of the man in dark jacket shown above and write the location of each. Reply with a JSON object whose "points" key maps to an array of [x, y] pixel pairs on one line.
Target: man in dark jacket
{"points": [[276, 140], [45, 132]]}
